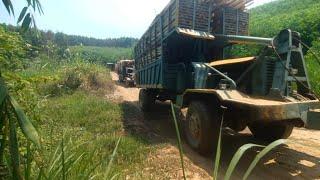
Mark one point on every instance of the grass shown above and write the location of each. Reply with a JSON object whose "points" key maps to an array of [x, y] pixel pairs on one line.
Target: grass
{"points": [[314, 75], [90, 120], [313, 65], [80, 129], [179, 140]]}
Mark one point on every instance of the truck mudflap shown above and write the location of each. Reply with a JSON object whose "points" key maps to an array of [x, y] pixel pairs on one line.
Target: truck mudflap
{"points": [[306, 113], [313, 119]]}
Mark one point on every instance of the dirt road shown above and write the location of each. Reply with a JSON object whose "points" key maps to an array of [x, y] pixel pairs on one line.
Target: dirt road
{"points": [[299, 160]]}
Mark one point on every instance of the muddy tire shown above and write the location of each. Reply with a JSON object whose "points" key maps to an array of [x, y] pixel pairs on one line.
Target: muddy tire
{"points": [[271, 131], [201, 127], [146, 100]]}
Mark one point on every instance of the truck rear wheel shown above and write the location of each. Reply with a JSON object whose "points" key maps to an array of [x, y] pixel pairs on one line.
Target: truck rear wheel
{"points": [[201, 127], [146, 100], [271, 131]]}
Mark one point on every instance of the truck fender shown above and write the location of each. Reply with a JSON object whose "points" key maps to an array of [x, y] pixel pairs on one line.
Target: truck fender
{"points": [[184, 100]]}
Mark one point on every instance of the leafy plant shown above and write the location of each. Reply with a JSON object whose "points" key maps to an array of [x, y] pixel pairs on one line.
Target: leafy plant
{"points": [[26, 15], [179, 140], [12, 50], [313, 64], [10, 115], [10, 111]]}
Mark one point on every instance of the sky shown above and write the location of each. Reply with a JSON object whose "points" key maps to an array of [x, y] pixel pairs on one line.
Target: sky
{"points": [[95, 18]]}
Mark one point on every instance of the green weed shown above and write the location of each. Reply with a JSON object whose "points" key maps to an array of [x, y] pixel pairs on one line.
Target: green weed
{"points": [[92, 126]]}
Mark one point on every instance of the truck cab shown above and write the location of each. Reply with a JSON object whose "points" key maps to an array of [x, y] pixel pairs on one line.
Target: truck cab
{"points": [[126, 72]]}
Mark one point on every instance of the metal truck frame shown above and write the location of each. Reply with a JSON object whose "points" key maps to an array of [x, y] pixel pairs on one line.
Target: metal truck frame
{"points": [[270, 93]]}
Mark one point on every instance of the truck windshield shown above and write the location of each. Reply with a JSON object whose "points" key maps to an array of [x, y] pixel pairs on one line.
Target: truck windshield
{"points": [[129, 70]]}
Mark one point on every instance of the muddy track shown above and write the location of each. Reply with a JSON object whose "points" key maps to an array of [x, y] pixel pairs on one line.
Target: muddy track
{"points": [[298, 160]]}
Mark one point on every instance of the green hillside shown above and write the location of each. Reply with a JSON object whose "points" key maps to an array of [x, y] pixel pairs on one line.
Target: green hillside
{"points": [[302, 16]]}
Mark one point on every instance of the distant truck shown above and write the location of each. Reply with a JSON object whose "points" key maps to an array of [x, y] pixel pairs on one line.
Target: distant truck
{"points": [[111, 66], [181, 57], [125, 71]]}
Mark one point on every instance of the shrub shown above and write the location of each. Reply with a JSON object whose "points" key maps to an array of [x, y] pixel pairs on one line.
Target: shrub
{"points": [[313, 65], [78, 75], [12, 51]]}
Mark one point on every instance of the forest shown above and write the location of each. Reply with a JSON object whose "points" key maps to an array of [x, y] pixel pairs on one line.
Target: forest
{"points": [[54, 78], [39, 37]]}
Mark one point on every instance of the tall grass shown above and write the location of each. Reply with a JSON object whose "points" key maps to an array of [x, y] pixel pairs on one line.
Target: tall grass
{"points": [[68, 160], [93, 126], [179, 140]]}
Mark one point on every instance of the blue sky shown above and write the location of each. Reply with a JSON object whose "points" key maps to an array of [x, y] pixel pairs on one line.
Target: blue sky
{"points": [[95, 18]]}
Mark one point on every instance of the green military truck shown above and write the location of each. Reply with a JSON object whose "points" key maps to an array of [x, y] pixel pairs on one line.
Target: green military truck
{"points": [[125, 71], [182, 58]]}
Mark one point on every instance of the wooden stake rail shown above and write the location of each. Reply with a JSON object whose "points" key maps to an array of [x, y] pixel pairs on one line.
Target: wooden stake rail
{"points": [[213, 16]]}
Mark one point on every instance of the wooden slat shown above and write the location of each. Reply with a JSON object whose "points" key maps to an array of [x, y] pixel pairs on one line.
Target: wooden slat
{"points": [[231, 61], [190, 14], [237, 4]]}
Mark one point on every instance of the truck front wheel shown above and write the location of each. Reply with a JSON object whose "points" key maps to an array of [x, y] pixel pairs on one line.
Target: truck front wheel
{"points": [[271, 131], [146, 100], [201, 127]]}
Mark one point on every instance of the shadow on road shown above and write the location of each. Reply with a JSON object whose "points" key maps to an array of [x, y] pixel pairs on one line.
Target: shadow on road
{"points": [[281, 163]]}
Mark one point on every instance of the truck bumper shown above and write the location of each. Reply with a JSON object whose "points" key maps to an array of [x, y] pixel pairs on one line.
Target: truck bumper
{"points": [[302, 113], [305, 114]]}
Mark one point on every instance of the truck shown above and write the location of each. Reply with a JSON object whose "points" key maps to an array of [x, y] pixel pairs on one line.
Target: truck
{"points": [[111, 66], [125, 71], [182, 57]]}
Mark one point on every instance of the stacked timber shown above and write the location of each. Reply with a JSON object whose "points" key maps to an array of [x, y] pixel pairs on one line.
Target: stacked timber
{"points": [[235, 4], [229, 21], [213, 16]]}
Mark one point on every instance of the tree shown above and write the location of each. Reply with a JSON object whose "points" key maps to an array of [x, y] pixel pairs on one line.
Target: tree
{"points": [[11, 113], [26, 17]]}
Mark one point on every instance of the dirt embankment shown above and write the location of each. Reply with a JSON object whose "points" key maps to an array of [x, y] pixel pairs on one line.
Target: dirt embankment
{"points": [[299, 160]]}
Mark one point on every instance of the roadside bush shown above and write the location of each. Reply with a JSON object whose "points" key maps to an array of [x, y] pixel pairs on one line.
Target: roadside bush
{"points": [[78, 75], [12, 51], [72, 80], [313, 65]]}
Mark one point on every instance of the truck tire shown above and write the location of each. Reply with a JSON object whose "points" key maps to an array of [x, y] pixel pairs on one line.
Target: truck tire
{"points": [[271, 131], [146, 100], [201, 127]]}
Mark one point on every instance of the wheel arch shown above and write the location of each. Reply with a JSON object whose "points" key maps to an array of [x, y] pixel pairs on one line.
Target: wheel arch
{"points": [[188, 96], [211, 98]]}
